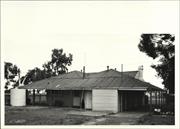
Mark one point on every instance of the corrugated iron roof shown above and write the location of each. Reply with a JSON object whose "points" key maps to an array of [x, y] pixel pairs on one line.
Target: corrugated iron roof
{"points": [[109, 79]]}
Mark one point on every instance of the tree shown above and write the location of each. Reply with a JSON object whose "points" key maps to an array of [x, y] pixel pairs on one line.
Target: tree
{"points": [[33, 75], [161, 47], [10, 72], [58, 64], [48, 69]]}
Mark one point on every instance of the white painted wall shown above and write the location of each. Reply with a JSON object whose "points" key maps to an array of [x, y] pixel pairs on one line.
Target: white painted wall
{"points": [[88, 99], [105, 100]]}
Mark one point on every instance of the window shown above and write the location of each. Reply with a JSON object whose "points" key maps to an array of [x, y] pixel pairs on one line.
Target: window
{"points": [[77, 93], [60, 93]]}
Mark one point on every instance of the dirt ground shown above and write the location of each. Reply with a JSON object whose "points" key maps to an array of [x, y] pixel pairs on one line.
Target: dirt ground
{"points": [[35, 115]]}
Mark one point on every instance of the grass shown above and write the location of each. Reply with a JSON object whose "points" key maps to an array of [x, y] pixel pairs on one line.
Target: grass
{"points": [[42, 116], [33, 115], [157, 120]]}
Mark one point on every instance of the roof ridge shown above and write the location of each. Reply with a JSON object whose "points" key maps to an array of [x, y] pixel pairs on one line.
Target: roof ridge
{"points": [[102, 71], [77, 73]]}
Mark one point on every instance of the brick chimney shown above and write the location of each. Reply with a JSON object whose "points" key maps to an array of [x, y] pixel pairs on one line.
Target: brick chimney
{"points": [[139, 74]]}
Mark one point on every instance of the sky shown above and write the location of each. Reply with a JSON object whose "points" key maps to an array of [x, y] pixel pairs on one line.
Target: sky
{"points": [[98, 34]]}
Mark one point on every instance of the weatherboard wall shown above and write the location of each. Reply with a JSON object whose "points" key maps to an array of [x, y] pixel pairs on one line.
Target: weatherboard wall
{"points": [[105, 100]]}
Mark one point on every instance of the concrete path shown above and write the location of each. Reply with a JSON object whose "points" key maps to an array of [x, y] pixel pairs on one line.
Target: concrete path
{"points": [[124, 118]]}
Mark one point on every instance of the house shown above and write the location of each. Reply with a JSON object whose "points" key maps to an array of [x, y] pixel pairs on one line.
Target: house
{"points": [[108, 90]]}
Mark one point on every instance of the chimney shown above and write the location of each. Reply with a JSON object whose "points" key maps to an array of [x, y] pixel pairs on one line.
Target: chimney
{"points": [[139, 74], [115, 69], [83, 72], [107, 68]]}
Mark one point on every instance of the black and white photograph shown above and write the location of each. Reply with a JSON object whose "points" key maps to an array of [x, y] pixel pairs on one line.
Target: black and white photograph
{"points": [[90, 64]]}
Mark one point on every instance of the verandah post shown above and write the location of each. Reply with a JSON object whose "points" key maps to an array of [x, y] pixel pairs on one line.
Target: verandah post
{"points": [[33, 97], [155, 98], [150, 102]]}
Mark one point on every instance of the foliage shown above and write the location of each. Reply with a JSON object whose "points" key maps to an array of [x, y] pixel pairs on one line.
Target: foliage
{"points": [[161, 47], [10, 72], [48, 69], [33, 75], [57, 65]]}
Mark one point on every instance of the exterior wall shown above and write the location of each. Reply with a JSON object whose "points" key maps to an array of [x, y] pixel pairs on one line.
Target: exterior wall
{"points": [[105, 100], [67, 98], [62, 98], [88, 99]]}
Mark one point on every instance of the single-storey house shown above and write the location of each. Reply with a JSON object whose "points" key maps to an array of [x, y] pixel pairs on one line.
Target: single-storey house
{"points": [[108, 90]]}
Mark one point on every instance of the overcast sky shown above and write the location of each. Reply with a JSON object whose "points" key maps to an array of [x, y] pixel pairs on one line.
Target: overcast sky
{"points": [[96, 33]]}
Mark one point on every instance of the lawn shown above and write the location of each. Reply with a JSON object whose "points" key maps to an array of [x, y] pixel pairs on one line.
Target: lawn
{"points": [[35, 115], [157, 120], [43, 116]]}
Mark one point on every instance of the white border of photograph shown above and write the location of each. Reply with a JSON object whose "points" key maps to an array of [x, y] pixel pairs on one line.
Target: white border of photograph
{"points": [[170, 26]]}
